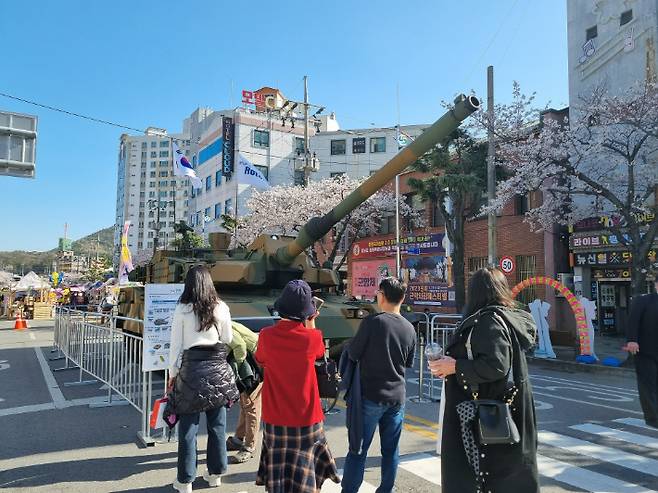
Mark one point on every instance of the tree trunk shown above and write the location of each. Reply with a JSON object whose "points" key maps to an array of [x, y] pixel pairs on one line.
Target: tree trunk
{"points": [[458, 271], [639, 268]]}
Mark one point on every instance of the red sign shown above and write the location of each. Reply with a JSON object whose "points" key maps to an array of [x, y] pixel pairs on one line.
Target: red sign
{"points": [[507, 265], [367, 274]]}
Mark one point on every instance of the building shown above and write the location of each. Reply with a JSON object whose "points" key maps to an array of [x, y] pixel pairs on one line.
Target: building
{"points": [[148, 195], [18, 138], [612, 44]]}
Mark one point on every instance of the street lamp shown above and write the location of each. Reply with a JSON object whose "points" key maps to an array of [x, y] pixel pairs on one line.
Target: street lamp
{"points": [[157, 205]]}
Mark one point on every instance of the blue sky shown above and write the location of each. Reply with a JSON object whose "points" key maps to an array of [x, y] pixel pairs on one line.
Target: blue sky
{"points": [[144, 63]]}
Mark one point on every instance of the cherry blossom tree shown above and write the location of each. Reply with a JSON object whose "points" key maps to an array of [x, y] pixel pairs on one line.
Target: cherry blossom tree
{"points": [[283, 210], [602, 160]]}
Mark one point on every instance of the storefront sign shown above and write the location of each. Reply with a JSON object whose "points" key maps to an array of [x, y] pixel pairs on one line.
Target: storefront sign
{"points": [[598, 241], [159, 304], [613, 221], [228, 141], [414, 245], [599, 274], [608, 258], [429, 280], [367, 274]]}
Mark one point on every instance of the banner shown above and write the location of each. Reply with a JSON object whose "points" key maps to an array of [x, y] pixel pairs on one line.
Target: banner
{"points": [[410, 245], [160, 301], [367, 274], [429, 280], [125, 262], [228, 145], [248, 174]]}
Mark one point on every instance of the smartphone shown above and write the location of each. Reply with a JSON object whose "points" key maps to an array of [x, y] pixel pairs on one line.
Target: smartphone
{"points": [[318, 302]]}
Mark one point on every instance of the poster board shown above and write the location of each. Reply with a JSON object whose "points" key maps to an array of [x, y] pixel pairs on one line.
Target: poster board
{"points": [[367, 274], [159, 304]]}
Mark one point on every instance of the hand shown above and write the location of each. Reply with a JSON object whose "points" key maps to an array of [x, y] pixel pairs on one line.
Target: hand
{"points": [[442, 367], [310, 321], [632, 347], [170, 383]]}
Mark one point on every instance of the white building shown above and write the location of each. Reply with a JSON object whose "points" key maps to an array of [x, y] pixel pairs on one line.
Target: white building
{"points": [[144, 179], [612, 43]]}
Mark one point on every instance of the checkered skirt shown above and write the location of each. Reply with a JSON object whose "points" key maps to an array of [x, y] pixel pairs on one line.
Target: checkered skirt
{"points": [[295, 460]]}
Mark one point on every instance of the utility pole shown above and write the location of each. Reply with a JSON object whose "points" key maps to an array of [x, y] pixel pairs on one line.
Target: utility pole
{"points": [[398, 258], [307, 164], [491, 167]]}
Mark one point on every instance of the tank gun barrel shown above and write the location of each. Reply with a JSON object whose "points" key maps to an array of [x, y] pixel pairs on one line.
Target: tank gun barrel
{"points": [[317, 227]]}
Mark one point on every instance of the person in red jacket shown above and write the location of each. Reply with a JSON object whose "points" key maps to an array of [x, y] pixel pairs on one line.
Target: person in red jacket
{"points": [[295, 457]]}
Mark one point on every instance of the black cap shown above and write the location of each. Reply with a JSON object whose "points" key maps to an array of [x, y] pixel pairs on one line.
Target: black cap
{"points": [[295, 301]]}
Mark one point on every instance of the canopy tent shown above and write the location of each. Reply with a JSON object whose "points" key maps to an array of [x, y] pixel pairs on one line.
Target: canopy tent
{"points": [[30, 281]]}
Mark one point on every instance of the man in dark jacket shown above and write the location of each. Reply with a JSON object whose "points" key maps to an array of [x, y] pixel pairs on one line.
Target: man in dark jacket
{"points": [[643, 343], [384, 346]]}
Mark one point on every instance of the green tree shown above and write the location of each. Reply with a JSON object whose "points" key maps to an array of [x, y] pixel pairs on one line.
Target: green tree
{"points": [[457, 184]]}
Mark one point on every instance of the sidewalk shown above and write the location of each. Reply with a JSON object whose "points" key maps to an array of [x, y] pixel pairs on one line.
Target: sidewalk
{"points": [[605, 346]]}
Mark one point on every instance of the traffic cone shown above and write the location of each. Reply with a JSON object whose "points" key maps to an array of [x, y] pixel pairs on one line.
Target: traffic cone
{"points": [[21, 323]]}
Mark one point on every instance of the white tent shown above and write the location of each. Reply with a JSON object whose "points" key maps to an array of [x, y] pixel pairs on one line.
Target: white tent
{"points": [[31, 281]]}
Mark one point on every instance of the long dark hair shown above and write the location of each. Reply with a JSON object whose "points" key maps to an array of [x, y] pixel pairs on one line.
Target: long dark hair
{"points": [[486, 287], [200, 293]]}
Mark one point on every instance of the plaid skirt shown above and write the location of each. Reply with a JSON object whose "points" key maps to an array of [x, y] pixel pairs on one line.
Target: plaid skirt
{"points": [[295, 460]]}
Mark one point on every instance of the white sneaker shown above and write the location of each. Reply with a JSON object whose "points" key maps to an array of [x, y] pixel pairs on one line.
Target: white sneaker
{"points": [[182, 487], [213, 479]]}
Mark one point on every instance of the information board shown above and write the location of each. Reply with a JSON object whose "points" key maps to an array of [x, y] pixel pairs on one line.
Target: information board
{"points": [[159, 304]]}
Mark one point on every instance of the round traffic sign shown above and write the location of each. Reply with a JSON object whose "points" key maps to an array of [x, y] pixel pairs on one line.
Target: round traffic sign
{"points": [[507, 265]]}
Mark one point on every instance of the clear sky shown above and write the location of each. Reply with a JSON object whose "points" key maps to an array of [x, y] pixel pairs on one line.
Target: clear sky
{"points": [[151, 63]]}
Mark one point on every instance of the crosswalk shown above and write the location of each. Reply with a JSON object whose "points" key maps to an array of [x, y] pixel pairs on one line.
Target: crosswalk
{"points": [[620, 456]]}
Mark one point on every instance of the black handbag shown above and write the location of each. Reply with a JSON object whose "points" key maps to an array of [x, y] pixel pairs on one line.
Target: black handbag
{"points": [[494, 424], [326, 372]]}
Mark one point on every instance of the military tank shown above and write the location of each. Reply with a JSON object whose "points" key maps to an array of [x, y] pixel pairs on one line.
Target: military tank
{"points": [[249, 279]]}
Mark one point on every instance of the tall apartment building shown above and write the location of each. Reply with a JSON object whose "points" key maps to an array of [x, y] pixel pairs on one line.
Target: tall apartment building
{"points": [[612, 44], [145, 183]]}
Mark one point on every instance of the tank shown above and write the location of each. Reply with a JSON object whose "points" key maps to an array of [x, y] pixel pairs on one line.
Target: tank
{"points": [[249, 279]]}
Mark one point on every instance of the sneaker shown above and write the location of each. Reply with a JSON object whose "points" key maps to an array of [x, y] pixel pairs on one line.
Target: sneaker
{"points": [[233, 444], [182, 487], [213, 479], [243, 456]]}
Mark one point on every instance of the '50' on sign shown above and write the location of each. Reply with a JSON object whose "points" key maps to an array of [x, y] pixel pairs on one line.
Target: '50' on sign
{"points": [[507, 265]]}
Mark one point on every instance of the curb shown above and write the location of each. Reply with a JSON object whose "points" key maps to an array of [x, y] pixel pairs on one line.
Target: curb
{"points": [[556, 364]]}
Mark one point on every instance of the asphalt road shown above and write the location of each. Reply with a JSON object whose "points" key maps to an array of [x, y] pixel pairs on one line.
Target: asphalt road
{"points": [[591, 434]]}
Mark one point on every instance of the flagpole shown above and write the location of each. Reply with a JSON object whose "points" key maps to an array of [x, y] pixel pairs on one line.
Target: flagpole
{"points": [[398, 259]]}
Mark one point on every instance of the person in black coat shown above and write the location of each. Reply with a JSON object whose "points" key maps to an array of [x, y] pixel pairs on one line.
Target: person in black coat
{"points": [[643, 343], [499, 336]]}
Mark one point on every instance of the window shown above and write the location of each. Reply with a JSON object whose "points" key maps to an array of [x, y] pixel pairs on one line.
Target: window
{"points": [[163, 174], [228, 206], [208, 182], [218, 178], [140, 245], [299, 177], [264, 170], [153, 164], [388, 224], [154, 154], [526, 267], [152, 174], [591, 33], [154, 144], [144, 145], [143, 154], [338, 147], [261, 138], [164, 143], [164, 153], [163, 193], [626, 17], [149, 244], [150, 234], [521, 204], [437, 217], [172, 183], [206, 213], [299, 145], [151, 184], [193, 193], [477, 263], [218, 210], [359, 145], [164, 163], [337, 174], [377, 144]]}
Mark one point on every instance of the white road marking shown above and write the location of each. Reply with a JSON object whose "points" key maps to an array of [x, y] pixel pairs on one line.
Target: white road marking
{"points": [[4, 364], [584, 478], [32, 336], [588, 385], [32, 408], [624, 436], [51, 383], [542, 406], [631, 411], [331, 487], [607, 454], [609, 395], [425, 466], [635, 422]]}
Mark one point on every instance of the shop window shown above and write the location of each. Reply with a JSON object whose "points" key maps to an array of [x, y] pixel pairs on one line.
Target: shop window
{"points": [[526, 267]]}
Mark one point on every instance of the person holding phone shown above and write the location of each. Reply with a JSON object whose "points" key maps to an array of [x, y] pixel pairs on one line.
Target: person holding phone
{"points": [[295, 456]]}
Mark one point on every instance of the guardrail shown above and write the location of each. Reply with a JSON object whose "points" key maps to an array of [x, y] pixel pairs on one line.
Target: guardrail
{"points": [[437, 327]]}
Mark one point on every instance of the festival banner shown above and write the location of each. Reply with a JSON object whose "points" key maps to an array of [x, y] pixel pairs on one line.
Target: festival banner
{"points": [[419, 245], [429, 280], [367, 274]]}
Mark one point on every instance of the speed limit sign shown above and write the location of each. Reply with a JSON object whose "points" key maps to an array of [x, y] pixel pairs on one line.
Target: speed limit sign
{"points": [[507, 265]]}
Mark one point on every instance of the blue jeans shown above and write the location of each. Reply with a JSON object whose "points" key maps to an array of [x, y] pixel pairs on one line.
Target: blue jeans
{"points": [[389, 417], [188, 426]]}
